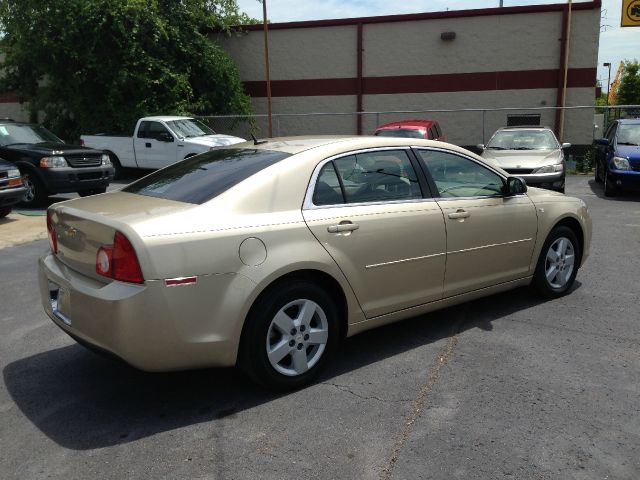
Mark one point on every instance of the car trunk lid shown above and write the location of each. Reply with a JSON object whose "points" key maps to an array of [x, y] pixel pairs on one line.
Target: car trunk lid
{"points": [[82, 226]]}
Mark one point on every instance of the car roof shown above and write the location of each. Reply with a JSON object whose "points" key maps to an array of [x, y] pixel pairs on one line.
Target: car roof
{"points": [[526, 127], [411, 123], [629, 121], [166, 118], [294, 145]]}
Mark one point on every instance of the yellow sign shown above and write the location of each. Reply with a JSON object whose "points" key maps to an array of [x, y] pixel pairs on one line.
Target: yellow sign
{"points": [[630, 13]]}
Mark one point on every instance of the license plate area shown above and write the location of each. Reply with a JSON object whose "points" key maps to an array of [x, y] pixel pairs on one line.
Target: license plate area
{"points": [[59, 297]]}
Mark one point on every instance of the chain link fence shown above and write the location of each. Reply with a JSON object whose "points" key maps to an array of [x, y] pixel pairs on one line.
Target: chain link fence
{"points": [[466, 127]]}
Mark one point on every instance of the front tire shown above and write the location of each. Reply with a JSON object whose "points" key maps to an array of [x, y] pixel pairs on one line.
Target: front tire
{"points": [[558, 263], [609, 188], [36, 194], [598, 173], [290, 335]]}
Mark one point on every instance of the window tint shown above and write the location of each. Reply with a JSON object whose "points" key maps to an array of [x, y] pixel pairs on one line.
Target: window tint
{"points": [[438, 131], [368, 177], [457, 176], [328, 191], [612, 132], [203, 177], [142, 129], [401, 132], [154, 129], [432, 133]]}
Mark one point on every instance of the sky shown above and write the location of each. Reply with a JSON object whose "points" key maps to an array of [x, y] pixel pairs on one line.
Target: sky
{"points": [[616, 43]]}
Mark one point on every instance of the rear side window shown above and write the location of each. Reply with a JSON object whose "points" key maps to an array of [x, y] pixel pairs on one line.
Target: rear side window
{"points": [[377, 176], [203, 177]]}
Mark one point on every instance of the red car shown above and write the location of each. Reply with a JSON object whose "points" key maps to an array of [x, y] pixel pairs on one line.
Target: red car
{"points": [[429, 129]]}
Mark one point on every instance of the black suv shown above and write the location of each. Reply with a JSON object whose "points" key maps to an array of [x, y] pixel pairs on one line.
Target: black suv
{"points": [[48, 165], [11, 187]]}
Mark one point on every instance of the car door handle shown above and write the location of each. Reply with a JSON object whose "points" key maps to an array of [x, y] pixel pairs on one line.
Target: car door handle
{"points": [[343, 227], [459, 214], [148, 145]]}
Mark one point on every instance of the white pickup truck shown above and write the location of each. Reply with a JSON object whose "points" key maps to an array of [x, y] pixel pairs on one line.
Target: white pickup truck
{"points": [[158, 142]]}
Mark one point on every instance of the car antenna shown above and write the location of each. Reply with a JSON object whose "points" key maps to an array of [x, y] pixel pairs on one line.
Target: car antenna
{"points": [[256, 141]]}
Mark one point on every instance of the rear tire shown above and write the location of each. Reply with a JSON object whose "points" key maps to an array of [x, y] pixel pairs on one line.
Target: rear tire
{"points": [[290, 335], [36, 194], [598, 174], [5, 211], [558, 263]]}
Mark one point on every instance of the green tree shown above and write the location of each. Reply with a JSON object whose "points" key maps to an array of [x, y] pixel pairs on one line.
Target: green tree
{"points": [[629, 90], [98, 65]]}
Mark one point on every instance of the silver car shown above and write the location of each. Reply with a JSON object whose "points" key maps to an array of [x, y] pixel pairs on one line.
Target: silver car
{"points": [[532, 153]]}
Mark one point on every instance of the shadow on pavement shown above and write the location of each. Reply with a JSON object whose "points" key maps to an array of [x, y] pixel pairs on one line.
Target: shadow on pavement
{"points": [[83, 401]]}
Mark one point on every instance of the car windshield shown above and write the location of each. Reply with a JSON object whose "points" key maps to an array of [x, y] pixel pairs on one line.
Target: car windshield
{"points": [[401, 132], [203, 177], [11, 133], [189, 127], [629, 134], [523, 140]]}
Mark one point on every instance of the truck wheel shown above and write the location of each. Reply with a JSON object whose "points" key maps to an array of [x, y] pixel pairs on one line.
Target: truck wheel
{"points": [[5, 211], [36, 194], [117, 166], [93, 191]]}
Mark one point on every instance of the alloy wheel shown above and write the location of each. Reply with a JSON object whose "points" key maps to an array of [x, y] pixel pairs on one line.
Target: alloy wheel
{"points": [[559, 262], [297, 337], [30, 194]]}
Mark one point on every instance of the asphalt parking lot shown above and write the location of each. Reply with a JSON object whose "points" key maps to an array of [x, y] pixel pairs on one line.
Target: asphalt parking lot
{"points": [[510, 386]]}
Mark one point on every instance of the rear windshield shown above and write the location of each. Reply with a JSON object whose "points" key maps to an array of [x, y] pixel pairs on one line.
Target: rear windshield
{"points": [[400, 132], [203, 177]]}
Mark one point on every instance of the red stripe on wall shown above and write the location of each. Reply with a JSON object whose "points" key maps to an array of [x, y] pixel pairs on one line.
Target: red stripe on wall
{"points": [[450, 82], [9, 97]]}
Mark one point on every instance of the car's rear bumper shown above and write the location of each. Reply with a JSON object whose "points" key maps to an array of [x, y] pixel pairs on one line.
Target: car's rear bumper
{"points": [[150, 326], [65, 180], [11, 196]]}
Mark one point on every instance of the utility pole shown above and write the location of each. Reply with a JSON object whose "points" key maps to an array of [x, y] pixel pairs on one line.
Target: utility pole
{"points": [[565, 73], [266, 65], [608, 65]]}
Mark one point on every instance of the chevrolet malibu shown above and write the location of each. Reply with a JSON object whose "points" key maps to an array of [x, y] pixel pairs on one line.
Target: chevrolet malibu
{"points": [[266, 254]]}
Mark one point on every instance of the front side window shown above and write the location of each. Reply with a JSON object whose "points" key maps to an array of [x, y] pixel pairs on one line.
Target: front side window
{"points": [[156, 129], [205, 176], [378, 176], [456, 176]]}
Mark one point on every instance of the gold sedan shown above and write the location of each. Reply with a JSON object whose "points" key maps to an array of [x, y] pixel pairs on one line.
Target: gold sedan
{"points": [[266, 254]]}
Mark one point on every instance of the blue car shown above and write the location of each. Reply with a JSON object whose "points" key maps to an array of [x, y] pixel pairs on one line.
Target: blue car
{"points": [[617, 157]]}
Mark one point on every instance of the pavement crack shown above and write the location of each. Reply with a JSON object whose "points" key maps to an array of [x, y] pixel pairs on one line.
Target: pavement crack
{"points": [[420, 402], [346, 389]]}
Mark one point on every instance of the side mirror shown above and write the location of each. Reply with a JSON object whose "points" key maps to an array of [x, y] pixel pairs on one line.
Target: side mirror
{"points": [[480, 146], [566, 145], [604, 142], [515, 186], [164, 137]]}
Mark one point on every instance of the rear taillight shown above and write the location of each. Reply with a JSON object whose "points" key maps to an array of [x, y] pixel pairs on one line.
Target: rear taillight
{"points": [[81, 142], [119, 261], [53, 241]]}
